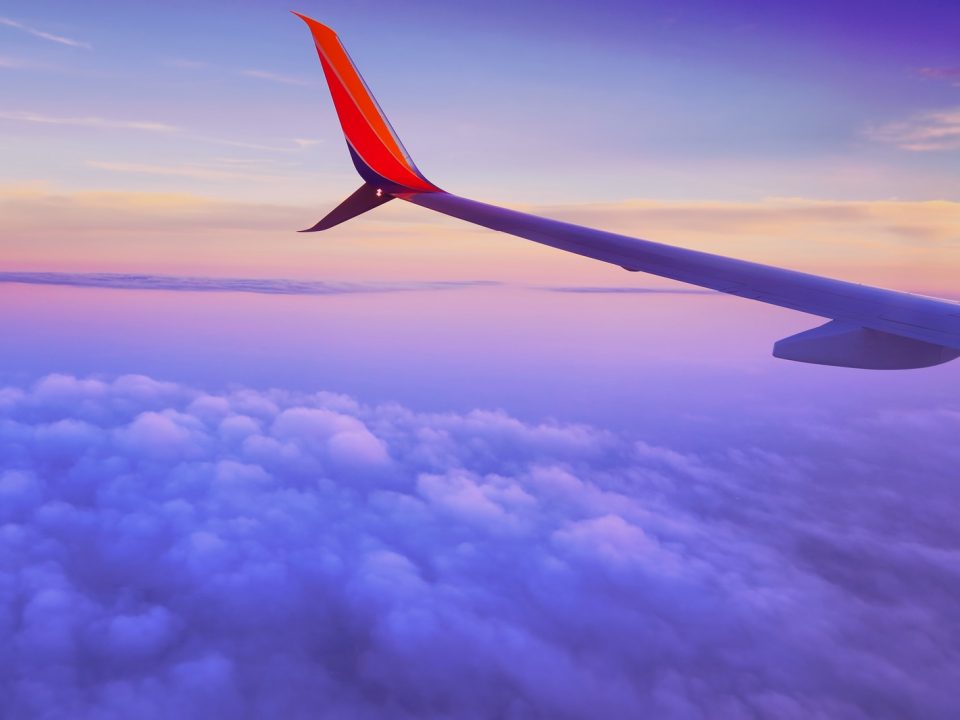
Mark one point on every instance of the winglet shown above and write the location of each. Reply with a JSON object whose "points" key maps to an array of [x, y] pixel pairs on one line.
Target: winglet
{"points": [[377, 152], [366, 197]]}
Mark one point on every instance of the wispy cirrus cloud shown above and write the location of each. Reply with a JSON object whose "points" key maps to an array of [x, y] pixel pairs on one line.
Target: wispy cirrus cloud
{"points": [[950, 74], [212, 173], [298, 144], [87, 121], [43, 35], [926, 132], [256, 73], [275, 77], [13, 63], [102, 123], [95, 122]]}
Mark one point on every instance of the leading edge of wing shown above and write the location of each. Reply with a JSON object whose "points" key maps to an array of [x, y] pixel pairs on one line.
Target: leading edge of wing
{"points": [[918, 317]]}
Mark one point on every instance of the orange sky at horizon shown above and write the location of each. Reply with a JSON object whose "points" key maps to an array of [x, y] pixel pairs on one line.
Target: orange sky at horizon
{"points": [[907, 245]]}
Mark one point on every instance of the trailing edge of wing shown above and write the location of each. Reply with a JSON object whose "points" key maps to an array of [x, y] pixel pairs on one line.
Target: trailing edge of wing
{"points": [[869, 327]]}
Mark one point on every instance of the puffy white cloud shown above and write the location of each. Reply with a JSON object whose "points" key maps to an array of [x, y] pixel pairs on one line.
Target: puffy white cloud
{"points": [[166, 552]]}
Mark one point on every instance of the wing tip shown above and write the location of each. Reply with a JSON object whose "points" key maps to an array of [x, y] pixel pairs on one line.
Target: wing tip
{"points": [[314, 25]]}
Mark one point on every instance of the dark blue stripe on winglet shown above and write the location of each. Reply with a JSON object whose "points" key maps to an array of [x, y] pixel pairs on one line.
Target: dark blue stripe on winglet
{"points": [[372, 177]]}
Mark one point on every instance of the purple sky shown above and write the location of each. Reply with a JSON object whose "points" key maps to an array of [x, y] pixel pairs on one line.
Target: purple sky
{"points": [[531, 102], [411, 468]]}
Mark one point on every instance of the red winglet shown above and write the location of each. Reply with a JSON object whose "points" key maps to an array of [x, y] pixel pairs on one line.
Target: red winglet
{"points": [[368, 132]]}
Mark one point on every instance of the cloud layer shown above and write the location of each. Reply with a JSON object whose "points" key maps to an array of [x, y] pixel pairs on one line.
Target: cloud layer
{"points": [[172, 553], [287, 286], [260, 286]]}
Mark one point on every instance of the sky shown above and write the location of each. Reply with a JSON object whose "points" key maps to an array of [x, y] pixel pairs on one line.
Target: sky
{"points": [[409, 467]]}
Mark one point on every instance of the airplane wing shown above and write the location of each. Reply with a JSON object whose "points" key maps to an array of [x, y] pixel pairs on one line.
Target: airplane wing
{"points": [[867, 327]]}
